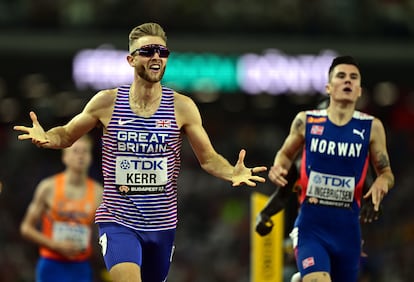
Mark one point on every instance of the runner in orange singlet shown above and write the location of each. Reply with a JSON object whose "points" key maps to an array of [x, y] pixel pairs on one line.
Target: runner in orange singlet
{"points": [[64, 206]]}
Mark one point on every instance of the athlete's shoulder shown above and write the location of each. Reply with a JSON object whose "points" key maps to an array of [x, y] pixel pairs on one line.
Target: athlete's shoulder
{"points": [[103, 99], [105, 95], [317, 112], [298, 123], [362, 116], [47, 186], [377, 127], [50, 180], [300, 116], [186, 110], [183, 100], [109, 93]]}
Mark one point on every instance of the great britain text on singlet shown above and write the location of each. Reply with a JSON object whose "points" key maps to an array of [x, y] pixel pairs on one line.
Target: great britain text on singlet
{"points": [[141, 142]]}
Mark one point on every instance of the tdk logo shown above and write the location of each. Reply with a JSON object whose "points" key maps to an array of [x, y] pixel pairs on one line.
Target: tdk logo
{"points": [[332, 181], [147, 164], [142, 164]]}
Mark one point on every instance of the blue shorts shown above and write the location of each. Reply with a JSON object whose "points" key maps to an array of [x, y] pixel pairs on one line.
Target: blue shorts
{"points": [[151, 250], [49, 270], [319, 252], [328, 239]]}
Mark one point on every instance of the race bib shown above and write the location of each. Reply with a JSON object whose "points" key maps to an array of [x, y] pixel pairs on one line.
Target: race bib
{"points": [[330, 190], [76, 233], [135, 175]]}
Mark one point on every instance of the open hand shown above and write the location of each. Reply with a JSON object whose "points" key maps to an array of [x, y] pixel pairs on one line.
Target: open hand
{"points": [[244, 175], [36, 133]]}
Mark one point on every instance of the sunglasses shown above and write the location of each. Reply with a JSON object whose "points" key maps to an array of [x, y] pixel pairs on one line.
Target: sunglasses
{"points": [[149, 51]]}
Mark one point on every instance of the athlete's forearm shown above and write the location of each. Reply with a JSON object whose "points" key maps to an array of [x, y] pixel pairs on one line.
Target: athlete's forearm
{"points": [[388, 177], [281, 159], [33, 235], [58, 138], [218, 166]]}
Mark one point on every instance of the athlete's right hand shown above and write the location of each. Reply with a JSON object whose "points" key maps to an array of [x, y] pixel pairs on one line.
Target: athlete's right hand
{"points": [[67, 249], [277, 174], [243, 175], [36, 133]]}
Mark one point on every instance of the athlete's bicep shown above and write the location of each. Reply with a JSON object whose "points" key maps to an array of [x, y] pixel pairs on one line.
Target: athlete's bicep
{"points": [[97, 111], [38, 204], [296, 138], [378, 149], [380, 159], [190, 122]]}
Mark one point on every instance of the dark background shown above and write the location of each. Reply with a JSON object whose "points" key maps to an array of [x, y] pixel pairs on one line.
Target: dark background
{"points": [[38, 40]]}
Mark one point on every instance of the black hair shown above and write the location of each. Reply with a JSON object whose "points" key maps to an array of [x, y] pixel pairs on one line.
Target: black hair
{"points": [[348, 60]]}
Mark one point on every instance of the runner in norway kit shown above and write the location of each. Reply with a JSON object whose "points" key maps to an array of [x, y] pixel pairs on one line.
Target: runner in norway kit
{"points": [[337, 145], [333, 169]]}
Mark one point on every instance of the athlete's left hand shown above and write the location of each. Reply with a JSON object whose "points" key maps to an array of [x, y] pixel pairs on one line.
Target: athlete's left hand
{"points": [[377, 192], [243, 175], [367, 213]]}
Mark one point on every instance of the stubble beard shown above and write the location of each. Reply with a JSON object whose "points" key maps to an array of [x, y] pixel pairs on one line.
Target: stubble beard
{"points": [[147, 76]]}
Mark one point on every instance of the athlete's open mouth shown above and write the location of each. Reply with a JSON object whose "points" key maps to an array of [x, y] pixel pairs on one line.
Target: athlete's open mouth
{"points": [[155, 67]]}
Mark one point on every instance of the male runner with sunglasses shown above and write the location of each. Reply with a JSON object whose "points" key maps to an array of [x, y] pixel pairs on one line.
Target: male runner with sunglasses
{"points": [[143, 124]]}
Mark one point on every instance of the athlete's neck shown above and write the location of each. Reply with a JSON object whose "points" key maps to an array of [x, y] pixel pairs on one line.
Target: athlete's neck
{"points": [[145, 95], [340, 114], [75, 178]]}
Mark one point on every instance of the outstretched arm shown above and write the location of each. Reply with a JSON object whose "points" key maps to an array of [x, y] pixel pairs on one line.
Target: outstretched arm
{"points": [[381, 163], [189, 119], [96, 111]]}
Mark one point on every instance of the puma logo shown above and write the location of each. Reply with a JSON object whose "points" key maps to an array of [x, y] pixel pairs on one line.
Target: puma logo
{"points": [[359, 133]]}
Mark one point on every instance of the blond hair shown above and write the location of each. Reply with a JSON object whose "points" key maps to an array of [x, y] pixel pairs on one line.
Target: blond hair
{"points": [[146, 29]]}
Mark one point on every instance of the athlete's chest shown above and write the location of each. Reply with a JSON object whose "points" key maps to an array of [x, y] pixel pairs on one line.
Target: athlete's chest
{"points": [[144, 111], [72, 203], [341, 141]]}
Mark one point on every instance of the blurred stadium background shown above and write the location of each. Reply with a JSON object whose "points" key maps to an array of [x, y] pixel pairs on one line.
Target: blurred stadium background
{"points": [[232, 57]]}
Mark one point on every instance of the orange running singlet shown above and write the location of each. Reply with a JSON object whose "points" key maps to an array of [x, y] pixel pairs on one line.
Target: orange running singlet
{"points": [[69, 220]]}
